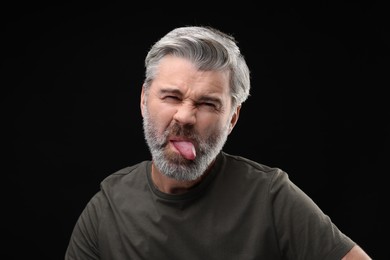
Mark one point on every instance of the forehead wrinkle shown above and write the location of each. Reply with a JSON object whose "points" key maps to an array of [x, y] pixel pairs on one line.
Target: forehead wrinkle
{"points": [[180, 73]]}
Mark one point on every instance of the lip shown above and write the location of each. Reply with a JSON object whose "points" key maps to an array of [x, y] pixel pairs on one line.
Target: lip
{"points": [[173, 141], [180, 139]]}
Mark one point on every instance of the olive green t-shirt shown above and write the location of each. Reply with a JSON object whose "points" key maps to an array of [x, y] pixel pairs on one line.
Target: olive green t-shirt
{"points": [[241, 210]]}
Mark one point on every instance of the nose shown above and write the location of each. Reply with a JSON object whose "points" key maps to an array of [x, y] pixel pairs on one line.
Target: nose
{"points": [[185, 114]]}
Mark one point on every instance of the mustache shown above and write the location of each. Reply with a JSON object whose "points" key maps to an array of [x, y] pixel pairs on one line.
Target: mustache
{"points": [[184, 131]]}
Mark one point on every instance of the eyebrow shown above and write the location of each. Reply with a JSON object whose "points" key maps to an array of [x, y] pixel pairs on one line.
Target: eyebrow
{"points": [[171, 91]]}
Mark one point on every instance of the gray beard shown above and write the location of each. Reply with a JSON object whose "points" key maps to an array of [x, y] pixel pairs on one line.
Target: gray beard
{"points": [[174, 165]]}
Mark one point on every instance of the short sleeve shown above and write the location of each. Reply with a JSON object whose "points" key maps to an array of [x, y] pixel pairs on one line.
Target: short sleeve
{"points": [[83, 244], [303, 229]]}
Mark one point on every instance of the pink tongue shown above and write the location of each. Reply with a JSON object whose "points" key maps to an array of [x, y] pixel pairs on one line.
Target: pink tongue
{"points": [[186, 149]]}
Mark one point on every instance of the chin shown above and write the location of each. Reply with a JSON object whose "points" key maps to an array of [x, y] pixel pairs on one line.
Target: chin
{"points": [[176, 158]]}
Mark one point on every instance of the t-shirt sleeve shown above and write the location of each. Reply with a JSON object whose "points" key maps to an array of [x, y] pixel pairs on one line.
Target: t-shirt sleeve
{"points": [[83, 240], [304, 231]]}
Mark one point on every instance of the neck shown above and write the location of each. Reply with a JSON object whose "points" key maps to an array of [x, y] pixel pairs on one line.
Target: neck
{"points": [[172, 186]]}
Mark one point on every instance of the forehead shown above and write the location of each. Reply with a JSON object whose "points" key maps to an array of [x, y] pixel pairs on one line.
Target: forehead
{"points": [[176, 72]]}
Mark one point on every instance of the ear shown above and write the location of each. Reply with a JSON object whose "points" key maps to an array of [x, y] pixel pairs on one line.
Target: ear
{"points": [[142, 100], [234, 119]]}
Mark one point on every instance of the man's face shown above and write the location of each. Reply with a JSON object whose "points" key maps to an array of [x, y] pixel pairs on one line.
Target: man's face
{"points": [[187, 117]]}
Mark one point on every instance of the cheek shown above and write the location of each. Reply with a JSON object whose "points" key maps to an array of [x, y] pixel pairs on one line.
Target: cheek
{"points": [[208, 125], [160, 116]]}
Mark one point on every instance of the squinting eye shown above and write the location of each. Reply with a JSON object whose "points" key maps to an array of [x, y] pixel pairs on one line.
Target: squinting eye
{"points": [[171, 97], [209, 104]]}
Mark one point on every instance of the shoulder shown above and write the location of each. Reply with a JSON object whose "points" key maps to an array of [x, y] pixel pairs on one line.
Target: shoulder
{"points": [[245, 172], [250, 167], [129, 175]]}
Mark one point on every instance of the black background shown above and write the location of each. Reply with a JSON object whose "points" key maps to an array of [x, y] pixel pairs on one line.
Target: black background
{"points": [[71, 80]]}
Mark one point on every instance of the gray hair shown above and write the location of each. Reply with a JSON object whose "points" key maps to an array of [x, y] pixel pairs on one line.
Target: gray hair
{"points": [[208, 49]]}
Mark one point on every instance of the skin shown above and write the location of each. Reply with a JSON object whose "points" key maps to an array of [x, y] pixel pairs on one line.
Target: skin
{"points": [[182, 94], [356, 253]]}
